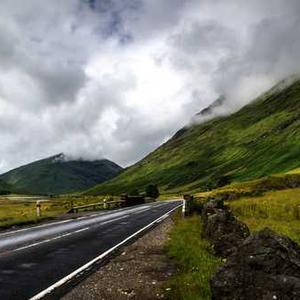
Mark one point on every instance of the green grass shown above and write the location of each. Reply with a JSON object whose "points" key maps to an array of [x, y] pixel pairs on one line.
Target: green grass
{"points": [[194, 261], [278, 210], [262, 138]]}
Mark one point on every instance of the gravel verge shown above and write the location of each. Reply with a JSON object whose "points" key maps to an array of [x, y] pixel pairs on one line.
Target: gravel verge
{"points": [[140, 272]]}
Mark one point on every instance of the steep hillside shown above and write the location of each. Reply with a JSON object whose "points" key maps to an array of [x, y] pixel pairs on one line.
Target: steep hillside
{"points": [[262, 138], [56, 175]]}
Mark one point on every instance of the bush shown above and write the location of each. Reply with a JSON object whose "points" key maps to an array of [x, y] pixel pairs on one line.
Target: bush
{"points": [[152, 191]]}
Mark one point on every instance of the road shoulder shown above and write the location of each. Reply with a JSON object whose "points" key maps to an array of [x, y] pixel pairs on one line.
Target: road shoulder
{"points": [[140, 272]]}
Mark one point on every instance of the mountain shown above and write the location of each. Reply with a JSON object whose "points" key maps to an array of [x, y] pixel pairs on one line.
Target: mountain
{"points": [[262, 138], [57, 175], [5, 188]]}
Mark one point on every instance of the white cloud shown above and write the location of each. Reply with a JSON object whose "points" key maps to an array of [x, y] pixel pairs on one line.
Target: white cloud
{"points": [[116, 78]]}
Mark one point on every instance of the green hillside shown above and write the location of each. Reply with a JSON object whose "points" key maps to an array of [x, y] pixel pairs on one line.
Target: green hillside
{"points": [[262, 138], [5, 188], [56, 175]]}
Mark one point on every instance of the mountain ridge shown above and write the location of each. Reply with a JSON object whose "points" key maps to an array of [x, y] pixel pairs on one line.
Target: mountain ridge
{"points": [[57, 174]]}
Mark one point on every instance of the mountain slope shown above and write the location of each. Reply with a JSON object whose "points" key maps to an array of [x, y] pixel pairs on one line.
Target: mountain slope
{"points": [[56, 175], [262, 138], [5, 188]]}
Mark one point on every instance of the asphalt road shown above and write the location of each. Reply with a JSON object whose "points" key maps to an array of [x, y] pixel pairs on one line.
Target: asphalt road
{"points": [[35, 258]]}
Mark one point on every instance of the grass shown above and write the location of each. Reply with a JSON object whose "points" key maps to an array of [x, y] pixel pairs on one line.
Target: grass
{"points": [[278, 210], [255, 187], [22, 212], [262, 138], [194, 261]]}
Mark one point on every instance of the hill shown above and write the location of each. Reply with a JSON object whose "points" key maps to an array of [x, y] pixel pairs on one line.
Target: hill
{"points": [[262, 138], [57, 175], [5, 188]]}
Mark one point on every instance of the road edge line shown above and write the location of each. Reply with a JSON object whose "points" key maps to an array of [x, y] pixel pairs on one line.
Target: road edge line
{"points": [[75, 273]]}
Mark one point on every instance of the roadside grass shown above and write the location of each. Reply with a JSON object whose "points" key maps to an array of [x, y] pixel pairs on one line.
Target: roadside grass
{"points": [[278, 210], [254, 188], [23, 212], [194, 261]]}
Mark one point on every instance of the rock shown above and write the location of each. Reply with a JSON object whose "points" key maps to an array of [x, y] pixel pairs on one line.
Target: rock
{"points": [[266, 266], [210, 208], [222, 229]]}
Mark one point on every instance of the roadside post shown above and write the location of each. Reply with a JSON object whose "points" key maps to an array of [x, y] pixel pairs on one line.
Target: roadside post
{"points": [[184, 208], [105, 205], [187, 203], [38, 208]]}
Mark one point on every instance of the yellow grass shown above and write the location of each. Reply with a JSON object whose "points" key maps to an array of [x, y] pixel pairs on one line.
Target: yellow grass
{"points": [[278, 210], [23, 211]]}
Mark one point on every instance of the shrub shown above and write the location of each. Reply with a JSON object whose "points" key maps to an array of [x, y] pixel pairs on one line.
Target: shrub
{"points": [[152, 191]]}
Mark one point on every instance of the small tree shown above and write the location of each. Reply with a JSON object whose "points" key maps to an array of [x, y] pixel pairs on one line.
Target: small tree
{"points": [[152, 191]]}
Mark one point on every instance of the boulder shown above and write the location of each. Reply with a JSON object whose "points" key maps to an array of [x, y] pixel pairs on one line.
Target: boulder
{"points": [[266, 266], [222, 229]]}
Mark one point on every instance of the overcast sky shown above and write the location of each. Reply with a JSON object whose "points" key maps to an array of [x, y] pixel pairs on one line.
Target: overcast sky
{"points": [[116, 78]]}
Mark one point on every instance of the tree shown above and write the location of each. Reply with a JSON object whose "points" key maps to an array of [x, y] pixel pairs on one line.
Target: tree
{"points": [[152, 191]]}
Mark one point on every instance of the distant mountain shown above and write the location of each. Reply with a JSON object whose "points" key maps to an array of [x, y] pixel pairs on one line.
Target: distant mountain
{"points": [[58, 175], [5, 188], [262, 138]]}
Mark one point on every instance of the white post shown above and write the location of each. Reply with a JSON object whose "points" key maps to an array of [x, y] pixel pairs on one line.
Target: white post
{"points": [[105, 205], [38, 208], [183, 208]]}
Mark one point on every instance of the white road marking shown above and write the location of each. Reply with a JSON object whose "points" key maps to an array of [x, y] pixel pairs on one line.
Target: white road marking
{"points": [[64, 235], [69, 220], [49, 240], [111, 221], [30, 228], [88, 265]]}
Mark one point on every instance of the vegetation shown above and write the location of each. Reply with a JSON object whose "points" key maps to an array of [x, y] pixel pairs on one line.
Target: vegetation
{"points": [[194, 260], [20, 212], [268, 202], [261, 139], [5, 189], [56, 175], [278, 210], [152, 191], [254, 188]]}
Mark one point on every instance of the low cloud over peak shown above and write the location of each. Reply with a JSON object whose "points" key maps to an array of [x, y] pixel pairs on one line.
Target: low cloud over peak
{"points": [[116, 78]]}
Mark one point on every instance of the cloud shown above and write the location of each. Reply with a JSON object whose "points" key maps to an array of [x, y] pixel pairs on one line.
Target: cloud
{"points": [[116, 78]]}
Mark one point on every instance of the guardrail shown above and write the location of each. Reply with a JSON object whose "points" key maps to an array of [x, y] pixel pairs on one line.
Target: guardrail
{"points": [[104, 203]]}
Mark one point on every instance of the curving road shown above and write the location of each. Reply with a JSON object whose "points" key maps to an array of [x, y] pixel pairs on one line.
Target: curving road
{"points": [[54, 255]]}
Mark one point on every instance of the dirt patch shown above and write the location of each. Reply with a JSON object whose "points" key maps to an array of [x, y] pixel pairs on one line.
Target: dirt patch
{"points": [[140, 272]]}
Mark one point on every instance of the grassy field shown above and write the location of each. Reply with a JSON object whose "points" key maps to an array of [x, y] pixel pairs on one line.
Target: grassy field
{"points": [[272, 201], [194, 261], [21, 212], [278, 210]]}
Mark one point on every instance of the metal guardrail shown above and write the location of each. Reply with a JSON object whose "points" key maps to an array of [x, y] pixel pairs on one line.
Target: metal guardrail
{"points": [[104, 203]]}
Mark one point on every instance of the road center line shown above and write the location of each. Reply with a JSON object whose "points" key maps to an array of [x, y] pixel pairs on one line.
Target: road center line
{"points": [[49, 240]]}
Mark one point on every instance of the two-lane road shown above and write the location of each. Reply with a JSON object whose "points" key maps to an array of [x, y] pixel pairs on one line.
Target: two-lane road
{"points": [[33, 259]]}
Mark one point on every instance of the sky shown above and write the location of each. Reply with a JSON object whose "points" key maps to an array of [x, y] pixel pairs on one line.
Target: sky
{"points": [[116, 78]]}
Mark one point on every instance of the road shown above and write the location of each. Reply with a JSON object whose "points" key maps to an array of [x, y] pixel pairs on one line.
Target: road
{"points": [[33, 259]]}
